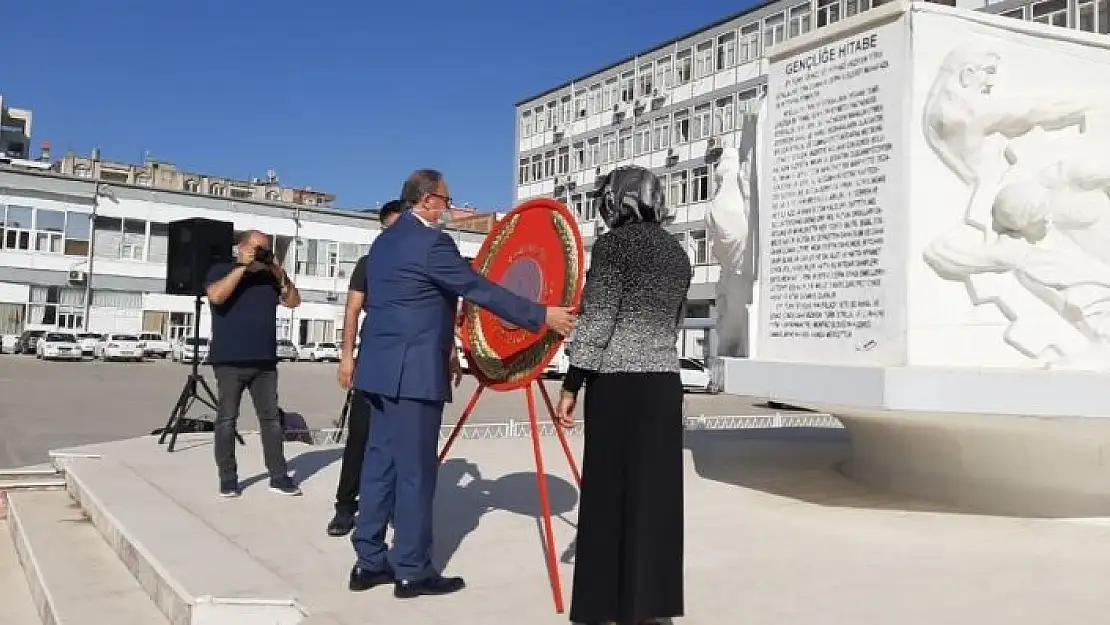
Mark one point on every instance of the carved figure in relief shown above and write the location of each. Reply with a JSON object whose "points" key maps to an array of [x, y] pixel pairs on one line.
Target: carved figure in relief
{"points": [[728, 224]]}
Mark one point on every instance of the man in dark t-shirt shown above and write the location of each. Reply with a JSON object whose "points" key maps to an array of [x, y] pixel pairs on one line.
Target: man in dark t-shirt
{"points": [[358, 417], [244, 296]]}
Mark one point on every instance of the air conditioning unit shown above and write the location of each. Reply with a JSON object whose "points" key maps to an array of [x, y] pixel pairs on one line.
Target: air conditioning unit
{"points": [[672, 158], [76, 277], [558, 135], [331, 296]]}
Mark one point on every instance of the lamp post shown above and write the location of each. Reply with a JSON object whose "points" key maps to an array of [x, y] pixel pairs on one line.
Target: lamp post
{"points": [[296, 257], [99, 191]]}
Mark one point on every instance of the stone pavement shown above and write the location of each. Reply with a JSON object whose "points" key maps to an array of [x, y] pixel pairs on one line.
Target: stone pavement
{"points": [[774, 535]]}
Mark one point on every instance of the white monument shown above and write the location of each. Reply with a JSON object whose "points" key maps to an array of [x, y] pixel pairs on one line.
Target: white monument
{"points": [[934, 253]]}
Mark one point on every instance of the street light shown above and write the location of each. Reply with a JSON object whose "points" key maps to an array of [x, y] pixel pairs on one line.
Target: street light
{"points": [[101, 190]]}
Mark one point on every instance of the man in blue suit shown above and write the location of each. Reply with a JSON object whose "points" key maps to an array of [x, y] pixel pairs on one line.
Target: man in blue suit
{"points": [[414, 278]]}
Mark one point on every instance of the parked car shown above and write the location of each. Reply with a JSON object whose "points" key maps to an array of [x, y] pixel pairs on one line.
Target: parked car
{"points": [[286, 350], [695, 377], [154, 344], [119, 347], [320, 351], [58, 346], [28, 341], [87, 341], [187, 348], [7, 343]]}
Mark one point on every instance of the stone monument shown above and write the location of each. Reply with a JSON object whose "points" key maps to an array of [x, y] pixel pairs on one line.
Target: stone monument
{"points": [[933, 256]]}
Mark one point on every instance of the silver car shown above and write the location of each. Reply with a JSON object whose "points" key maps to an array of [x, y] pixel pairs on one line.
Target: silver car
{"points": [[286, 350]]}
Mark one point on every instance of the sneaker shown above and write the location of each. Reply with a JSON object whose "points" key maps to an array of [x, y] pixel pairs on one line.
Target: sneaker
{"points": [[284, 487], [230, 488]]}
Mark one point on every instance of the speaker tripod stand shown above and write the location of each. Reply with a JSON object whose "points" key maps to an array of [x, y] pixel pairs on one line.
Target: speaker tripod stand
{"points": [[191, 392]]}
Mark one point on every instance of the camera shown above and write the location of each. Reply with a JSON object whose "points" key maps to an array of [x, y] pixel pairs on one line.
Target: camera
{"points": [[263, 255]]}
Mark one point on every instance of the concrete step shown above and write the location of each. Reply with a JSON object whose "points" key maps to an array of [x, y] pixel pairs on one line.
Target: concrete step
{"points": [[194, 574], [37, 477], [17, 606], [72, 574]]}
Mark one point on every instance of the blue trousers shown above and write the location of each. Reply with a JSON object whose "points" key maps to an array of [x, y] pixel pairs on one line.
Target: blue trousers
{"points": [[398, 484]]}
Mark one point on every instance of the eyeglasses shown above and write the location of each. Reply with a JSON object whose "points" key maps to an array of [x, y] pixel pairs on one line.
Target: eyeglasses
{"points": [[446, 199]]}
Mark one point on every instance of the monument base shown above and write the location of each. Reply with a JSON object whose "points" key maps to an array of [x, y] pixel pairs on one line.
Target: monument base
{"points": [[996, 441]]}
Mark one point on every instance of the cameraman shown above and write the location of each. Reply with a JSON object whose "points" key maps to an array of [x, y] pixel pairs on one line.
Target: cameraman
{"points": [[244, 296]]}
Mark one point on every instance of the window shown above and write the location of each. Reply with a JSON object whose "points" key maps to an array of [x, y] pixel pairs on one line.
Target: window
{"points": [[699, 191], [611, 94], [181, 324], [523, 177], [56, 306], [703, 115], [774, 30], [683, 69], [272, 195], [566, 110], [549, 164], [699, 245], [537, 168], [116, 238], [192, 186], [1051, 12], [18, 227], [320, 258], [550, 114], [748, 47], [77, 234], [661, 138], [216, 189], [628, 86], [608, 148], [49, 230], [646, 78], [641, 139], [82, 171], [828, 12], [663, 73], [577, 205], [1094, 16], [133, 244], [678, 188], [241, 194], [526, 124], [581, 105], [593, 152], [852, 7], [595, 105], [158, 244], [113, 176], [624, 143], [723, 115], [726, 51], [703, 59], [681, 127], [144, 180], [800, 20], [589, 211], [562, 163], [579, 162]]}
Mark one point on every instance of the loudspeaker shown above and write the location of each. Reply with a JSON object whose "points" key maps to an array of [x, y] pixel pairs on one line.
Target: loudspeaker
{"points": [[194, 245]]}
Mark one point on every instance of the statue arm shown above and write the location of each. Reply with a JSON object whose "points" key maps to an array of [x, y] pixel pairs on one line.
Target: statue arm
{"points": [[1014, 118], [955, 259]]}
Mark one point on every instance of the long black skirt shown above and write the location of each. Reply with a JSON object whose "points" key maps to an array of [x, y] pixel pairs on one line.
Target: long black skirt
{"points": [[628, 559]]}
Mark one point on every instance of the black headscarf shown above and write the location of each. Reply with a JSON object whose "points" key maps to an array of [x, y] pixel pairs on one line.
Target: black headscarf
{"points": [[631, 194]]}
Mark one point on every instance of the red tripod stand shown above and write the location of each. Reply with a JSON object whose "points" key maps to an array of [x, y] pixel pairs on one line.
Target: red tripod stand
{"points": [[541, 475]]}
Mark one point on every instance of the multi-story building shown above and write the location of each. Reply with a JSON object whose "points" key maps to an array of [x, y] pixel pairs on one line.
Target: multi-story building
{"points": [[161, 175], [669, 107], [15, 131], [79, 253]]}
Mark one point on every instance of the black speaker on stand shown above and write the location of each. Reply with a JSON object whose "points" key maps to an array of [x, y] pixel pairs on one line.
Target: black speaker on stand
{"points": [[194, 246]]}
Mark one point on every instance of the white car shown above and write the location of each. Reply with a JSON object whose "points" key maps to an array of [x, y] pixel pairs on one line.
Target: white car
{"points": [[58, 346], [187, 349], [154, 344], [88, 341], [695, 377], [119, 347], [320, 351]]}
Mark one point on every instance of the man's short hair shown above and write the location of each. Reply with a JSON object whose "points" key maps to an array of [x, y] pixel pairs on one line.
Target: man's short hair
{"points": [[392, 207], [420, 183]]}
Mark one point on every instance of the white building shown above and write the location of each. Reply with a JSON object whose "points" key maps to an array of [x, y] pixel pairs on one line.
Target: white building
{"points": [[670, 105], [81, 254]]}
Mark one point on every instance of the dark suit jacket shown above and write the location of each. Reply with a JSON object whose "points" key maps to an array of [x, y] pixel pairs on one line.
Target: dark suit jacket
{"points": [[414, 278]]}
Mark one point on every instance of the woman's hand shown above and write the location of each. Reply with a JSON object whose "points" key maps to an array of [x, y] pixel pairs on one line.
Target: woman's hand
{"points": [[564, 412]]}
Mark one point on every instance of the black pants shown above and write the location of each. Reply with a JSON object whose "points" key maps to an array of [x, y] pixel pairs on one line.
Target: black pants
{"points": [[261, 381], [350, 473]]}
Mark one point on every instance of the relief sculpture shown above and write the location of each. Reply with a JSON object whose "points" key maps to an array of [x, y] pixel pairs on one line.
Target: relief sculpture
{"points": [[1038, 207]]}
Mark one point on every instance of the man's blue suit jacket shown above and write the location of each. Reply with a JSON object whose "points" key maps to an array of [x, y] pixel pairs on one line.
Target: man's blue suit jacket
{"points": [[414, 277]]}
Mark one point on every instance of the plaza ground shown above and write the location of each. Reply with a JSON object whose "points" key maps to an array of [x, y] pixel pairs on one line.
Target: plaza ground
{"points": [[49, 405]]}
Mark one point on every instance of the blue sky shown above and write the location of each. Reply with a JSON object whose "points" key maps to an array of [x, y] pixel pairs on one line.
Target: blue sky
{"points": [[346, 96]]}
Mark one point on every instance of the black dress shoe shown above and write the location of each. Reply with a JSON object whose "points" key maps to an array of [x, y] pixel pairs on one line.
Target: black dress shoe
{"points": [[439, 585], [365, 580], [341, 524]]}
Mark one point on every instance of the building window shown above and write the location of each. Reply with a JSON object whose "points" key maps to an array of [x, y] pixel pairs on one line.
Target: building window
{"points": [[526, 124], [628, 86], [144, 180], [216, 189], [663, 73], [82, 171], [703, 114], [610, 94], [158, 243], [549, 164], [624, 143], [699, 245], [774, 30], [576, 205], [181, 325], [192, 186], [56, 306], [646, 79], [828, 12], [679, 183], [589, 212], [683, 69], [241, 194], [800, 20], [681, 127], [578, 162], [562, 164], [748, 47], [661, 133], [77, 234], [703, 59], [114, 176], [50, 229], [593, 152], [550, 115], [580, 103], [852, 7], [595, 104], [272, 195], [723, 116], [1094, 17], [537, 168], [1051, 12], [641, 140], [18, 227], [566, 114], [700, 189], [608, 148], [115, 238], [726, 51]]}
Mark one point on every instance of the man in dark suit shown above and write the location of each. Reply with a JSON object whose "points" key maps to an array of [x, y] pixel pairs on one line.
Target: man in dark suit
{"points": [[358, 415], [415, 276]]}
